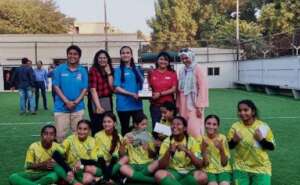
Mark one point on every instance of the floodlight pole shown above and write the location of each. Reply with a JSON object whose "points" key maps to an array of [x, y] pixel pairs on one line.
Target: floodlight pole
{"points": [[105, 27], [238, 29]]}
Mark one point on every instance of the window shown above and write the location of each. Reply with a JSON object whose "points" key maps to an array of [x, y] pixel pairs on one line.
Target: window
{"points": [[216, 71], [213, 71], [210, 71]]}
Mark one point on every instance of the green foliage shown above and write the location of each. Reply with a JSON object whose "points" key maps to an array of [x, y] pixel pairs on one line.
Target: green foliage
{"points": [[32, 16], [276, 18], [174, 23]]}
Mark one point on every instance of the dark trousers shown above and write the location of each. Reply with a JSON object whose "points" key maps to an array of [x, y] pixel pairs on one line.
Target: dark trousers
{"points": [[96, 119], [155, 114], [124, 117], [40, 86]]}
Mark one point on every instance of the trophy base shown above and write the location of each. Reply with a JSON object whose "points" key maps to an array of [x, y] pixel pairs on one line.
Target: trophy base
{"points": [[145, 94]]}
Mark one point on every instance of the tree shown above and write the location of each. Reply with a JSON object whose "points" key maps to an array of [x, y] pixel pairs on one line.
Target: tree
{"points": [[173, 24], [276, 18], [32, 16]]}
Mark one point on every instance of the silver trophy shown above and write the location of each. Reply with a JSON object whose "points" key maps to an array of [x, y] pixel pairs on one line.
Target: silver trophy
{"points": [[146, 91]]}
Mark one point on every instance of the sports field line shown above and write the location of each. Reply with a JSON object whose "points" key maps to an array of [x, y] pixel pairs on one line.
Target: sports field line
{"points": [[225, 118], [30, 123]]}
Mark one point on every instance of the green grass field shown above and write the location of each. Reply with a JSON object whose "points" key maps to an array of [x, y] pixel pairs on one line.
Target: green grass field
{"points": [[281, 113]]}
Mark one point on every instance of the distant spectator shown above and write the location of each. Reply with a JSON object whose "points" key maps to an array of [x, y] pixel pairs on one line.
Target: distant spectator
{"points": [[41, 83], [23, 80]]}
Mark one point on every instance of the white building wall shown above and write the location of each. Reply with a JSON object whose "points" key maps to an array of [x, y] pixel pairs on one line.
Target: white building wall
{"points": [[283, 71]]}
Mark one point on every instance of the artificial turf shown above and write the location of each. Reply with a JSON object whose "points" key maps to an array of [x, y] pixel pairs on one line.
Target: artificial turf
{"points": [[281, 113]]}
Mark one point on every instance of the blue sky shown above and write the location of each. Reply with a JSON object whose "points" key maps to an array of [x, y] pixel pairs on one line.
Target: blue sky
{"points": [[127, 15]]}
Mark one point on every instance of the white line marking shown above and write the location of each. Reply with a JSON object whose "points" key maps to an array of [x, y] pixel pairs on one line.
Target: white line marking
{"points": [[32, 123]]}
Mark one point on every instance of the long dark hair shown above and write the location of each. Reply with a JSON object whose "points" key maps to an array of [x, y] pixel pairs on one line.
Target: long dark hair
{"points": [[184, 122], [98, 67], [250, 104], [167, 57], [139, 80], [115, 136]]}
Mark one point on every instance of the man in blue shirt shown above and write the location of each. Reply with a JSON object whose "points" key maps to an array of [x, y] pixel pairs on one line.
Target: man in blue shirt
{"points": [[70, 83], [23, 80], [41, 83]]}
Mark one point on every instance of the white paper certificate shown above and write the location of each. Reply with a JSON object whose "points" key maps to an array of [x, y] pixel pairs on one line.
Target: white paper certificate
{"points": [[162, 129]]}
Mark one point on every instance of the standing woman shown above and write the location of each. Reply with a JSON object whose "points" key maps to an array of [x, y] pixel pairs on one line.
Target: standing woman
{"points": [[128, 80], [101, 88], [192, 93], [163, 81]]}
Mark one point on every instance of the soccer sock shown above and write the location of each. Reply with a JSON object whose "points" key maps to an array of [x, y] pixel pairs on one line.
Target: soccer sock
{"points": [[138, 176], [98, 172], [169, 181], [48, 179], [62, 173], [116, 169], [189, 179], [16, 179]]}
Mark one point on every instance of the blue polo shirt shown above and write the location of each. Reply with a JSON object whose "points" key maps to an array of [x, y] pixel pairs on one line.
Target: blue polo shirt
{"points": [[127, 103], [71, 84]]}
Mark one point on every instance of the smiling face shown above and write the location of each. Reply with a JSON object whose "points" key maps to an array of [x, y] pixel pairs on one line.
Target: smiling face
{"points": [[162, 62], [177, 127], [73, 56], [102, 60], [185, 60], [212, 126], [108, 124], [83, 131], [126, 54], [245, 112]]}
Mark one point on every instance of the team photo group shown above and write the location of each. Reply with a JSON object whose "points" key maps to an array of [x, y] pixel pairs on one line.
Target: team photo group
{"points": [[177, 144]]}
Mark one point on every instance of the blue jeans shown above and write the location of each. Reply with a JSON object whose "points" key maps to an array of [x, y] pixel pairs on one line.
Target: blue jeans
{"points": [[26, 94]]}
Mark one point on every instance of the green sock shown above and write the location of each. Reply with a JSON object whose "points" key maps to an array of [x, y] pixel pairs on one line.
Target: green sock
{"points": [[48, 179], [98, 172], [116, 169], [16, 179], [169, 181], [60, 172], [138, 176], [189, 179]]}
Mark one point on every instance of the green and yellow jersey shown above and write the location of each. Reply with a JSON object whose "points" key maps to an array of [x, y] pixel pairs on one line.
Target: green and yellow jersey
{"points": [[76, 149], [36, 153], [214, 156], [180, 161], [103, 143], [249, 155], [137, 154]]}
